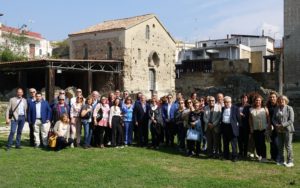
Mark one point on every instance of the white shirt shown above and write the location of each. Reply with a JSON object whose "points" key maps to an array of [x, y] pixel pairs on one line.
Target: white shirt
{"points": [[226, 115], [21, 107], [38, 109], [169, 108]]}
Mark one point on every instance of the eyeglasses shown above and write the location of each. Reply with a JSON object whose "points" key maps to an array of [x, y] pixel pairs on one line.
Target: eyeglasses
{"points": [[32, 91], [61, 92]]}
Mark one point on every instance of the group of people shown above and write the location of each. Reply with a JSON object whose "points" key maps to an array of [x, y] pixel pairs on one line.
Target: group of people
{"points": [[201, 124]]}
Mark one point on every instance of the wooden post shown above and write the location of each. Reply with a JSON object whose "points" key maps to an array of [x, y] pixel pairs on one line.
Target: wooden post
{"points": [[265, 65], [22, 80], [280, 75], [89, 81], [50, 83]]}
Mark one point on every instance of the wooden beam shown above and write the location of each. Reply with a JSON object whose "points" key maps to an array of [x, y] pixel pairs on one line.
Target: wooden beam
{"points": [[50, 83], [89, 81]]}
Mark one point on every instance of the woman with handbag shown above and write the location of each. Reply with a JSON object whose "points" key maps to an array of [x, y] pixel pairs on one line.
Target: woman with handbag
{"points": [[155, 123], [283, 119], [62, 129], [86, 119], [259, 122], [115, 123], [194, 133], [101, 115]]}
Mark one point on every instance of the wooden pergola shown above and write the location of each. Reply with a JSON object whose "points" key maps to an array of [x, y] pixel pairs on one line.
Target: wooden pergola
{"points": [[50, 66]]}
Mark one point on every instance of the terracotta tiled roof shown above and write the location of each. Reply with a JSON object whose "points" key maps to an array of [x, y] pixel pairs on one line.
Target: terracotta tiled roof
{"points": [[18, 31], [124, 23]]}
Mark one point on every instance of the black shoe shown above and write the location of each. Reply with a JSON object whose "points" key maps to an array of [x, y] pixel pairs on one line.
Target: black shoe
{"points": [[18, 147], [7, 148], [234, 159]]}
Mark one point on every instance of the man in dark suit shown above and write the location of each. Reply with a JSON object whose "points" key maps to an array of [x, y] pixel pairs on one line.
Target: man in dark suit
{"points": [[230, 128], [141, 119], [168, 115], [31, 101], [39, 114]]}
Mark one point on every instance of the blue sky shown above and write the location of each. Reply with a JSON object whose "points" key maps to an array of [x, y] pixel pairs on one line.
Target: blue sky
{"points": [[187, 20]]}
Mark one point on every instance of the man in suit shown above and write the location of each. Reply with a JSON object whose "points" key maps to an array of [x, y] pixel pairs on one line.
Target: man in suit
{"points": [[40, 115], [211, 117], [168, 115], [31, 100], [141, 119], [230, 128], [18, 106]]}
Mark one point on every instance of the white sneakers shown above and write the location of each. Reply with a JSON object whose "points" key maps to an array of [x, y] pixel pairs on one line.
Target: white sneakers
{"points": [[72, 145], [289, 165]]}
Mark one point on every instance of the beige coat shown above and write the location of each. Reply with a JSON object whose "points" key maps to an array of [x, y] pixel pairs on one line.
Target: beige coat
{"points": [[13, 102]]}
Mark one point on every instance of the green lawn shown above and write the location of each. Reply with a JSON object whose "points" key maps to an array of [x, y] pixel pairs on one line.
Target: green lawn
{"points": [[135, 167]]}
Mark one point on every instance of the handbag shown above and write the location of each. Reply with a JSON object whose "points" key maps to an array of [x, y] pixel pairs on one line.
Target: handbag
{"points": [[193, 135], [52, 138], [99, 115]]}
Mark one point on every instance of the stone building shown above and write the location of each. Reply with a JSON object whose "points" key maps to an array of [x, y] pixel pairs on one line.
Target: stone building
{"points": [[142, 43]]}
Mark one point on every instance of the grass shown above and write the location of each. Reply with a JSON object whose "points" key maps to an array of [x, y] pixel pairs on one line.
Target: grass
{"points": [[135, 167]]}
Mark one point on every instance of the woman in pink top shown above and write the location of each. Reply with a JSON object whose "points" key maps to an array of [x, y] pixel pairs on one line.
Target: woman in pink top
{"points": [[101, 125]]}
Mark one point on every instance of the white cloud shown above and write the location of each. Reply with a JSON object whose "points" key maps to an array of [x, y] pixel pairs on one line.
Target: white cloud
{"points": [[250, 23]]}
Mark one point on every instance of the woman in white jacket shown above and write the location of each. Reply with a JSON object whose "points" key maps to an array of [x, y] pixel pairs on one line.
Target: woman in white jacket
{"points": [[62, 129]]}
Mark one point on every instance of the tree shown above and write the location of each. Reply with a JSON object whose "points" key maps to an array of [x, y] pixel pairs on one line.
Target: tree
{"points": [[61, 49]]}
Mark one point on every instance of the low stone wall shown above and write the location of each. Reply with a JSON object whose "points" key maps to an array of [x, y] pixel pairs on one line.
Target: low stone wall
{"points": [[3, 107]]}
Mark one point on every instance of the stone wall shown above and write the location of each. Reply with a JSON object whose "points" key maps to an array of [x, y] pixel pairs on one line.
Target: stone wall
{"points": [[291, 42], [3, 107], [256, 62], [97, 45], [229, 77], [137, 66]]}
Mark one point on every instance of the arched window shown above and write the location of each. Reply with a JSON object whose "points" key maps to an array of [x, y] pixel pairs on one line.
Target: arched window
{"points": [[147, 32], [152, 80], [85, 51], [110, 51]]}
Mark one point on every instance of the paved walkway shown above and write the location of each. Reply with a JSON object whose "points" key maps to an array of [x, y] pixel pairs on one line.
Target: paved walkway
{"points": [[5, 129]]}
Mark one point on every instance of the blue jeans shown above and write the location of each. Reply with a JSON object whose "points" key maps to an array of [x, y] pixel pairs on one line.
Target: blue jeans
{"points": [[13, 127], [88, 132], [128, 132]]}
